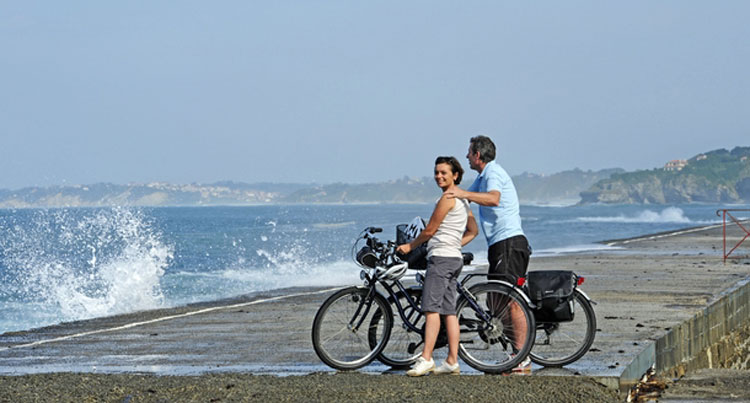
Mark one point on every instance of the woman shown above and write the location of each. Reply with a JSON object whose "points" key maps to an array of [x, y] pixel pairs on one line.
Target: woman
{"points": [[451, 226]]}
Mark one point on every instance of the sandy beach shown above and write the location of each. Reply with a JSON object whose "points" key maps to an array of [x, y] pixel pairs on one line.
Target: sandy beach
{"points": [[257, 347]]}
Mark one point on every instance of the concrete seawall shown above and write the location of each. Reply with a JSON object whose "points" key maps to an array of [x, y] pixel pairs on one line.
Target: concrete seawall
{"points": [[685, 300], [703, 340], [698, 342]]}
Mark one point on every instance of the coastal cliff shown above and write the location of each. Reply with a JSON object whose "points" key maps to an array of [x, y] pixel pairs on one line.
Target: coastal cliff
{"points": [[718, 176]]}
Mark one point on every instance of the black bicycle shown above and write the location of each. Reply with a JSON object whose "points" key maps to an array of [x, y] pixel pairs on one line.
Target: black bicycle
{"points": [[563, 315], [355, 325]]}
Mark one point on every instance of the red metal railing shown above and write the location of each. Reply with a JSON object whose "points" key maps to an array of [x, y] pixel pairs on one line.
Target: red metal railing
{"points": [[723, 214]]}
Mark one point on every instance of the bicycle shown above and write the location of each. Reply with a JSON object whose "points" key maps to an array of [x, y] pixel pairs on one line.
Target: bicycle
{"points": [[355, 325], [561, 337]]}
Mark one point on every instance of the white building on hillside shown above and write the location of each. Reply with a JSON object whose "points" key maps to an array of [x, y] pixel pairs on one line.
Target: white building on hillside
{"points": [[675, 165]]}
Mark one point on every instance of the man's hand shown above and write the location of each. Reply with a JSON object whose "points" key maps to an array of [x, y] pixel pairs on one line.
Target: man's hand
{"points": [[491, 198], [455, 193], [403, 249]]}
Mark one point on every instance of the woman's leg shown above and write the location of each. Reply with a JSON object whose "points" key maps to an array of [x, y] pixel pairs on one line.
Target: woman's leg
{"points": [[451, 327], [431, 329]]}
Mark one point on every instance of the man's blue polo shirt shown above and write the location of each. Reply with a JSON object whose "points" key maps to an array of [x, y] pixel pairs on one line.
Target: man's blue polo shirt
{"points": [[504, 221]]}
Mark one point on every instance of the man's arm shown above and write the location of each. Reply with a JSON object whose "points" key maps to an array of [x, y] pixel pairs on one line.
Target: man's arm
{"points": [[491, 198], [471, 229]]}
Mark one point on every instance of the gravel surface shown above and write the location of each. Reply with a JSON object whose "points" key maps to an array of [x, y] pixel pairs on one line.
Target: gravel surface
{"points": [[340, 387]]}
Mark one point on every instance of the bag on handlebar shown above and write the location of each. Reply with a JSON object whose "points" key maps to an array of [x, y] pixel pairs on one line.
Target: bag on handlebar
{"points": [[405, 233], [552, 291]]}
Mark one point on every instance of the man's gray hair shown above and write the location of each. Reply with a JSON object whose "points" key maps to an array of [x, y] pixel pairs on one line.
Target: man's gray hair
{"points": [[485, 146]]}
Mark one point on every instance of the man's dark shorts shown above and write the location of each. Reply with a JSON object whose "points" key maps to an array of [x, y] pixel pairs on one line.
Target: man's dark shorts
{"points": [[439, 292], [509, 258]]}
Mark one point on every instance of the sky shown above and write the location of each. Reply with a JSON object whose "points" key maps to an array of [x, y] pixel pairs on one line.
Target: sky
{"points": [[362, 91]]}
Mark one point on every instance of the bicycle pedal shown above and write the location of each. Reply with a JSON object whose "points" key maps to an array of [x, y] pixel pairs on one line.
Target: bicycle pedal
{"points": [[412, 348]]}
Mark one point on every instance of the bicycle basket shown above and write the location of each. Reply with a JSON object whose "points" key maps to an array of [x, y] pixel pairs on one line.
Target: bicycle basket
{"points": [[366, 257], [405, 233], [552, 291]]}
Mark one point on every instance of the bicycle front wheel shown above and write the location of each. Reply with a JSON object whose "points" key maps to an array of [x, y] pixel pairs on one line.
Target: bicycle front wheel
{"points": [[342, 328], [497, 328], [559, 344], [405, 344]]}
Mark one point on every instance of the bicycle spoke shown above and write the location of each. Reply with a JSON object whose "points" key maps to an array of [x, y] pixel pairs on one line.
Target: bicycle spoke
{"points": [[567, 341], [501, 343], [402, 348]]}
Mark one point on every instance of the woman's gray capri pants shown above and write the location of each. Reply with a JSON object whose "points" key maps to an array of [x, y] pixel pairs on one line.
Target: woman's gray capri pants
{"points": [[439, 293]]}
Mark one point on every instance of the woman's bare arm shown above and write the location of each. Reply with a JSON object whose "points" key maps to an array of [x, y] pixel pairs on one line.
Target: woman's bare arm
{"points": [[444, 205]]}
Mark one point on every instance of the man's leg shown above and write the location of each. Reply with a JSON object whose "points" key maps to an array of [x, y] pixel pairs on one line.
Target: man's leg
{"points": [[517, 258], [509, 259], [495, 258]]}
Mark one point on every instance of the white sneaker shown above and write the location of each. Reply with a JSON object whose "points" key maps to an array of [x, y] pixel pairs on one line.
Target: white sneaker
{"points": [[421, 367], [524, 368], [447, 369]]}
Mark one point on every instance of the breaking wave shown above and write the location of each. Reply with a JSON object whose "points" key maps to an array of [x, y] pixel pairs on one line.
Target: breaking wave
{"points": [[668, 215], [79, 264]]}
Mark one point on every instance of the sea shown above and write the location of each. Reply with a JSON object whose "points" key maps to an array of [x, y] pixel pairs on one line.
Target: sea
{"points": [[66, 264]]}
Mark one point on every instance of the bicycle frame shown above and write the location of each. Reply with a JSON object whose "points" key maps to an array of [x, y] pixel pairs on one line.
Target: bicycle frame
{"points": [[502, 282], [481, 309], [367, 303], [460, 288]]}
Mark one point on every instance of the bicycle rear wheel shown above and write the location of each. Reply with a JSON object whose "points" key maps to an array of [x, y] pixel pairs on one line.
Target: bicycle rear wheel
{"points": [[342, 328], [559, 344], [500, 344], [404, 345]]}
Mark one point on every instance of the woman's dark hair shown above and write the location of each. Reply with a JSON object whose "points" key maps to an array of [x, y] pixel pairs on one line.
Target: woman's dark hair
{"points": [[485, 146], [455, 167]]}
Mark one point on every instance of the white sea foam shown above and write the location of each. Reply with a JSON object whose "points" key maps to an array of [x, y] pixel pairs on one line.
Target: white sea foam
{"points": [[203, 286], [559, 204], [276, 264], [328, 274], [667, 215], [575, 249], [85, 264], [326, 225]]}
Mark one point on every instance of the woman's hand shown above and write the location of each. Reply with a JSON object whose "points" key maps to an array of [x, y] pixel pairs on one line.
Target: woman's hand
{"points": [[404, 248]]}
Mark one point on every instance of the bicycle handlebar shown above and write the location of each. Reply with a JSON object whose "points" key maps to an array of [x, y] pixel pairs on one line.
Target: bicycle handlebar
{"points": [[385, 252]]}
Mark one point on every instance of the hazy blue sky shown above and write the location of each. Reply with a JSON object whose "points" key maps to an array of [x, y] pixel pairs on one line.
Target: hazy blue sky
{"points": [[357, 91]]}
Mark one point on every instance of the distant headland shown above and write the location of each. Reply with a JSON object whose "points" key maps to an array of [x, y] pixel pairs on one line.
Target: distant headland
{"points": [[718, 176]]}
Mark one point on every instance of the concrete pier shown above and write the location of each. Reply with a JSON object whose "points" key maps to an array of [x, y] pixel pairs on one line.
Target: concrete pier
{"points": [[662, 301]]}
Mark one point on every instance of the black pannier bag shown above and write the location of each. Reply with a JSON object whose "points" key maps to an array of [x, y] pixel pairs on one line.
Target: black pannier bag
{"points": [[405, 233], [552, 291]]}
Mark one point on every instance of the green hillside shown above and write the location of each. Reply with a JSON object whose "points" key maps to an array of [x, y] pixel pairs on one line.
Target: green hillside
{"points": [[718, 176]]}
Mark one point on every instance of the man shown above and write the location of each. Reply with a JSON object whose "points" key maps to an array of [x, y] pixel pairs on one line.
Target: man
{"points": [[500, 219]]}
